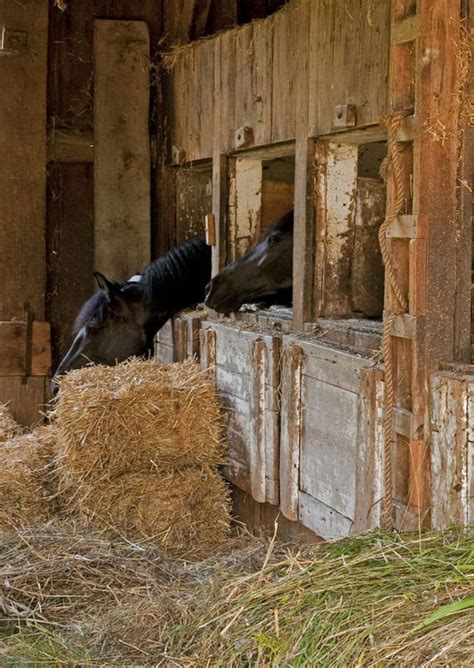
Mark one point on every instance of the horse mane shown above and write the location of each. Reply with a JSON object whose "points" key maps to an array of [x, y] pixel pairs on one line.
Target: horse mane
{"points": [[178, 274]]}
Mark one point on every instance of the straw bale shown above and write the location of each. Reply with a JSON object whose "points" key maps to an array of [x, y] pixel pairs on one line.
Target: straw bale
{"points": [[25, 479], [136, 417], [8, 425], [186, 511]]}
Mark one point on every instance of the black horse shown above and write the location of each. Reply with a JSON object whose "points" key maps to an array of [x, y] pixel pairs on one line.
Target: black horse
{"points": [[265, 273], [121, 319]]}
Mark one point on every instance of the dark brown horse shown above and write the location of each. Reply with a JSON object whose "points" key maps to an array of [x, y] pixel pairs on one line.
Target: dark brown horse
{"points": [[121, 319], [265, 273]]}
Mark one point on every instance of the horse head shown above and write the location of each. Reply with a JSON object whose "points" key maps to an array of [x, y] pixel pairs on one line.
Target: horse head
{"points": [[263, 272], [111, 327]]}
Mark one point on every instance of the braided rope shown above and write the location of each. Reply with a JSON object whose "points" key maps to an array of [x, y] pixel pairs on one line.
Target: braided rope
{"points": [[392, 124]]}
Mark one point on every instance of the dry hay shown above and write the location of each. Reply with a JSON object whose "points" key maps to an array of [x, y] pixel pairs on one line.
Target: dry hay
{"points": [[136, 417], [372, 600], [186, 511], [26, 479], [8, 425]]}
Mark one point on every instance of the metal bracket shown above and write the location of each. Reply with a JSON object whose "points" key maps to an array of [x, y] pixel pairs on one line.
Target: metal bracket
{"points": [[345, 116], [12, 42], [243, 136]]}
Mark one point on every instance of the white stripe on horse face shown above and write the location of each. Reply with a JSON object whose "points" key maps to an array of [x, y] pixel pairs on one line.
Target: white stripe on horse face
{"points": [[135, 279]]}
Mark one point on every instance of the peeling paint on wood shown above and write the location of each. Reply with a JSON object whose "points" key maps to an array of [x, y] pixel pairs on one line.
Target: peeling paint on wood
{"points": [[292, 402], [452, 448]]}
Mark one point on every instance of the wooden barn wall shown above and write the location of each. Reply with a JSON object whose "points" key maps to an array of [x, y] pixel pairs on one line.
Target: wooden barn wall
{"points": [[248, 76], [70, 210], [24, 343]]}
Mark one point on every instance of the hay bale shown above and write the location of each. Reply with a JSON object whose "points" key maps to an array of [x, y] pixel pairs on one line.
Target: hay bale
{"points": [[182, 511], [25, 479], [136, 417], [8, 425]]}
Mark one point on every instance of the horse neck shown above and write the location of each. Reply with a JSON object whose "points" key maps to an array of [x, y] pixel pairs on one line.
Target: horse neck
{"points": [[177, 280]]}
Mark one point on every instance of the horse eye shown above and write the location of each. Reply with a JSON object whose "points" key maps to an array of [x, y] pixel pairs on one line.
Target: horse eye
{"points": [[273, 239]]}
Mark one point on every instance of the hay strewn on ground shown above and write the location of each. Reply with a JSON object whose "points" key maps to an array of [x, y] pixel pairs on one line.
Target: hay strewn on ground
{"points": [[186, 510], [374, 600], [136, 417], [26, 479]]}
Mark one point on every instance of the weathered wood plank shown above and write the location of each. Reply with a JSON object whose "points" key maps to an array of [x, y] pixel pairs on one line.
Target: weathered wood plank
{"points": [[292, 401], [367, 271], [323, 520], [369, 457], [26, 398], [328, 451], [284, 73], [258, 436], [193, 201], [332, 366], [263, 82], [303, 236], [70, 249], [451, 451], [122, 154], [336, 187], [23, 172]]}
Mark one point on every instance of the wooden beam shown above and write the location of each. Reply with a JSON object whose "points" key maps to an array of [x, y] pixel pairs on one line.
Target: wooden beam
{"points": [[291, 426], [303, 236], [23, 172], [122, 154]]}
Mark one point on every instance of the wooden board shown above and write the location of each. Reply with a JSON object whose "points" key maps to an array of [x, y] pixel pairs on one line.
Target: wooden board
{"points": [[26, 348], [345, 38], [23, 172], [122, 154], [26, 398], [336, 192], [367, 271], [331, 438], [291, 430], [452, 450], [246, 369], [193, 201], [70, 248]]}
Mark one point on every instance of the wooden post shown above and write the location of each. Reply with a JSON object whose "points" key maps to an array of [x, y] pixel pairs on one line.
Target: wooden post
{"points": [[291, 425], [303, 237], [23, 75], [257, 420], [424, 43], [122, 147]]}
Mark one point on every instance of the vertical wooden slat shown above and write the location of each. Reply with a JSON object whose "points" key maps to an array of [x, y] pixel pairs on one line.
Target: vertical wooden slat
{"points": [[262, 82], [23, 171], [208, 350], [122, 153], [257, 421], [423, 76], [23, 190], [303, 237], [284, 73], [291, 425]]}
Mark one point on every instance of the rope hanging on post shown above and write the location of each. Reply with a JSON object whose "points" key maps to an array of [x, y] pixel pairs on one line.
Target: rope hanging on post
{"points": [[392, 123]]}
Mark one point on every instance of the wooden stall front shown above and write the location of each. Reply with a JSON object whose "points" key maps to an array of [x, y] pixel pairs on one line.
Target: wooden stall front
{"points": [[121, 131], [370, 103]]}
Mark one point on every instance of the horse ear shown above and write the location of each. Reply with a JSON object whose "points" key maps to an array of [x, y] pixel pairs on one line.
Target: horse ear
{"points": [[104, 284]]}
